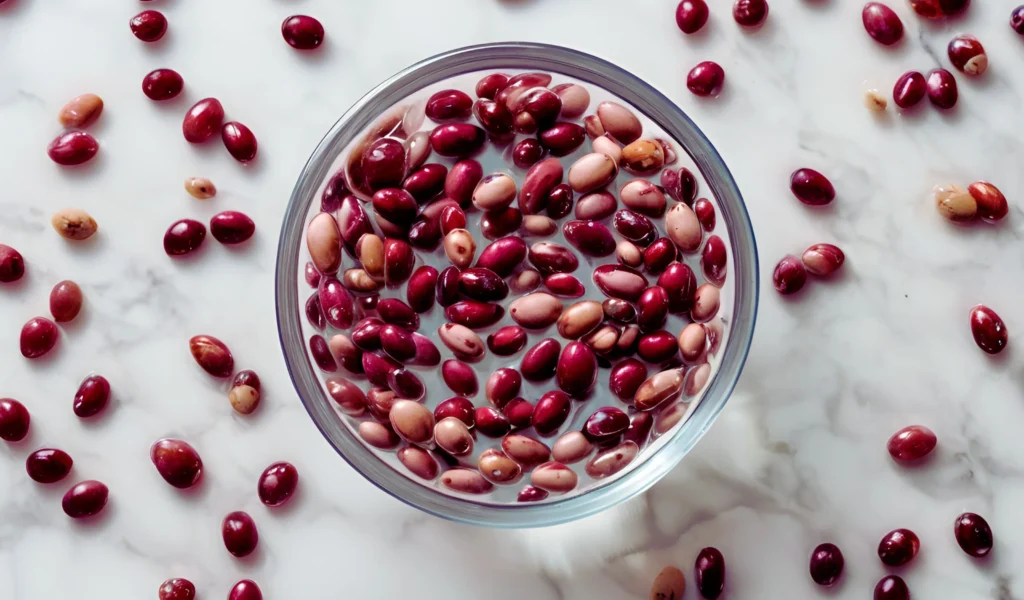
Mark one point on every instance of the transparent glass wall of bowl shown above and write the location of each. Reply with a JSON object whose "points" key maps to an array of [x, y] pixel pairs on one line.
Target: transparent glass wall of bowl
{"points": [[460, 70]]}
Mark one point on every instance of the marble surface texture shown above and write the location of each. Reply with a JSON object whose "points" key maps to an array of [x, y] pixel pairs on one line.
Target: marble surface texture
{"points": [[797, 458]]}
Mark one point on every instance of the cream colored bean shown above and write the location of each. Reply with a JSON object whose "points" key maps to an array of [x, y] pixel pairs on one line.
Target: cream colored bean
{"points": [[683, 227], [554, 477], [244, 399], [452, 435], [643, 156], [575, 100], [494, 192], [592, 171], [658, 388], [419, 462], [459, 247], [602, 340], [580, 319], [571, 447], [955, 203], [525, 281], [466, 481], [612, 460], [461, 340], [628, 254], [370, 250], [323, 241], [670, 584], [669, 416], [619, 122], [592, 125], [874, 100], [342, 347], [200, 188], [525, 450], [359, 280], [692, 343], [696, 378], [536, 310], [74, 224], [644, 197], [496, 467], [378, 435], [707, 300], [539, 225], [80, 111], [413, 421], [606, 145]]}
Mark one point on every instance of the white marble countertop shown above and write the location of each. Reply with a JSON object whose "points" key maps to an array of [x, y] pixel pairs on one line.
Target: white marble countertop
{"points": [[797, 458]]}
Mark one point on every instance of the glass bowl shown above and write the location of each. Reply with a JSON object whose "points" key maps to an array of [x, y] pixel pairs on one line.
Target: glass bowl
{"points": [[739, 299]]}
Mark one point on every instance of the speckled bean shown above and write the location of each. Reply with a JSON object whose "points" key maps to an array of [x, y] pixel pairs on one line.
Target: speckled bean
{"points": [[554, 477], [525, 281], [466, 481], [684, 228], [644, 197], [612, 460], [497, 467], [463, 341], [525, 450], [707, 300]]}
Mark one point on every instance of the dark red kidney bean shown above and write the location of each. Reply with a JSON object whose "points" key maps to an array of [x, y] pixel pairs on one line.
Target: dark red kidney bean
{"points": [[619, 310], [396, 312], [634, 226], [606, 426], [750, 13], [277, 483], [85, 499], [462, 179], [911, 444], [177, 462], [1017, 19], [245, 589], [322, 354], [92, 396], [65, 301], [397, 343], [519, 412], [898, 547], [681, 284], [691, 15], [706, 79], [942, 90], [909, 89], [239, 140], [336, 303], [589, 237], [503, 255], [500, 223], [231, 227], [789, 275], [399, 260], [507, 341], [564, 284], [406, 385], [239, 533], [427, 354], [183, 237], [368, 303], [705, 212], [377, 368], [542, 104], [559, 202], [626, 377], [551, 411], [639, 428], [713, 260], [458, 407], [826, 564], [14, 420], [518, 85], [540, 361], [426, 182], [482, 284], [473, 314], [657, 347], [549, 257], [396, 205], [162, 84], [448, 105], [951, 7], [527, 153], [247, 377], [457, 139], [177, 589], [335, 190], [576, 371], [352, 222], [312, 275], [494, 117], [366, 334], [892, 587], [452, 217], [562, 139], [149, 25], [811, 187], [48, 465], [709, 571], [302, 32], [502, 386], [490, 422], [38, 336], [973, 534], [881, 23], [202, 120], [459, 377], [531, 494], [988, 329], [12, 264], [72, 148], [419, 293], [538, 183], [383, 164], [489, 85], [652, 308], [659, 255], [447, 292]]}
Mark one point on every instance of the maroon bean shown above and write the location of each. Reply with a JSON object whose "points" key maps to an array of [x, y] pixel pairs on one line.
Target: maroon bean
{"points": [[239, 533], [502, 256], [85, 499], [231, 227], [564, 284], [302, 32], [882, 23], [706, 79], [520, 413], [457, 139], [750, 13], [909, 89], [789, 275], [709, 572], [397, 343], [65, 301], [426, 182], [48, 465], [474, 314], [967, 55], [531, 494], [705, 212], [691, 15], [482, 284], [72, 148], [992, 205], [549, 257], [639, 428], [619, 310], [399, 260], [177, 462], [618, 281], [563, 139], [245, 589], [826, 564], [447, 289], [911, 444], [462, 179], [811, 187], [681, 284], [559, 203], [576, 370], [177, 589], [892, 587], [396, 312], [321, 352], [489, 85], [713, 260], [490, 422], [898, 547], [507, 341], [336, 303], [366, 334], [537, 185], [497, 224], [1017, 19], [540, 361], [823, 259], [543, 105], [626, 377], [973, 534], [942, 90], [239, 140], [449, 105], [988, 329], [659, 255], [519, 84], [658, 346], [427, 354], [634, 226], [420, 292], [14, 420], [162, 84], [277, 483], [92, 396], [38, 336], [589, 237], [551, 411], [494, 117], [396, 205], [202, 120], [605, 426], [527, 153], [149, 25], [12, 264], [459, 377], [502, 386], [458, 407], [405, 384], [452, 218], [349, 397], [652, 308], [383, 165], [352, 222], [183, 237]]}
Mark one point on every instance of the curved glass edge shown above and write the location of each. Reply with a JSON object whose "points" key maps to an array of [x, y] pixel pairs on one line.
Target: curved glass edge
{"points": [[643, 97]]}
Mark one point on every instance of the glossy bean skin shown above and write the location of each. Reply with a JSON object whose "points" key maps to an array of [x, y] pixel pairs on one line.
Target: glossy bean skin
{"points": [[881, 23], [85, 499], [177, 589], [92, 396], [245, 590], [65, 301], [898, 547], [162, 84], [302, 32], [892, 587], [826, 564], [48, 465], [38, 336], [973, 534], [709, 572], [239, 533], [14, 420], [277, 483], [202, 120], [988, 329], [911, 444], [72, 148], [177, 462]]}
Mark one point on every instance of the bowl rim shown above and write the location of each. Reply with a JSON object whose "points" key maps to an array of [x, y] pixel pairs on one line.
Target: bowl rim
{"points": [[643, 98]]}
